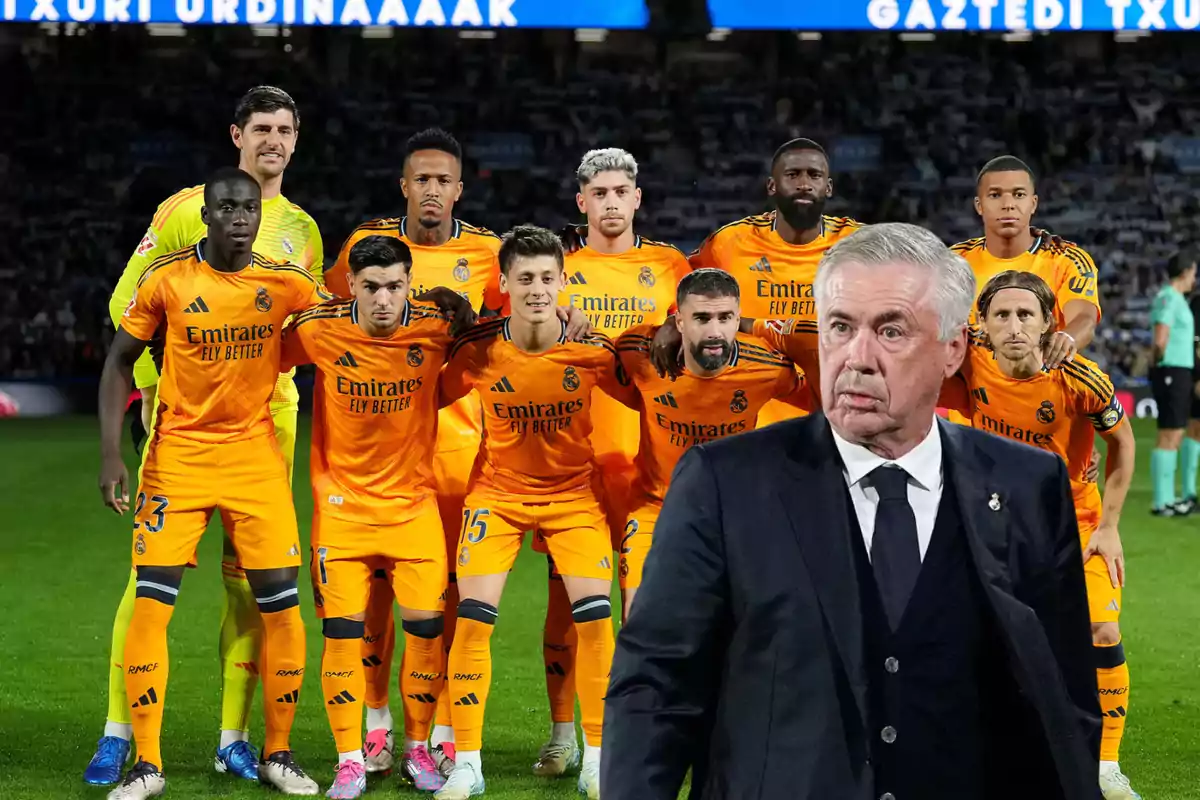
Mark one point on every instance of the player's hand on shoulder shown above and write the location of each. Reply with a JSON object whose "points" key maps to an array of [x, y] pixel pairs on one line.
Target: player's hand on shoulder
{"points": [[114, 483], [1050, 241], [448, 301], [578, 324], [1059, 349], [574, 238], [666, 350]]}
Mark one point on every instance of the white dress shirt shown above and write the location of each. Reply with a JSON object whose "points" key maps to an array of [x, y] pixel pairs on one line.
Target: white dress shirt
{"points": [[924, 467]]}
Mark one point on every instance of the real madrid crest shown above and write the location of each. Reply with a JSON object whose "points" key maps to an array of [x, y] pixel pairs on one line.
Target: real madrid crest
{"points": [[139, 547], [262, 300], [646, 277], [462, 273], [286, 244], [1045, 412], [415, 357], [1110, 417], [570, 379], [739, 403], [464, 556]]}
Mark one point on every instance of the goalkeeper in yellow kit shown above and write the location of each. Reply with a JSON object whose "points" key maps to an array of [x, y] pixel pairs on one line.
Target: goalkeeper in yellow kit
{"points": [[265, 128]]}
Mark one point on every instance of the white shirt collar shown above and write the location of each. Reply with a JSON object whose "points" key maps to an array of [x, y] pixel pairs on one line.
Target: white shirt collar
{"points": [[923, 463]]}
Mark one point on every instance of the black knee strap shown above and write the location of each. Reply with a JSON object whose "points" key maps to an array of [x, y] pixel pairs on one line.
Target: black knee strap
{"points": [[590, 609], [342, 628], [1109, 657], [157, 584], [276, 597], [424, 628], [480, 612]]}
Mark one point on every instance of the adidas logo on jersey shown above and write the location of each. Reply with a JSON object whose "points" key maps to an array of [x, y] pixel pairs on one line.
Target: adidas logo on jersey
{"points": [[198, 306], [503, 385], [347, 360], [667, 399], [577, 279], [762, 265], [980, 394]]}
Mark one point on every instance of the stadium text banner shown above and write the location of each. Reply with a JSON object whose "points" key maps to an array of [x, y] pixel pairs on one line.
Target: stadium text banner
{"points": [[963, 15], [434, 13]]}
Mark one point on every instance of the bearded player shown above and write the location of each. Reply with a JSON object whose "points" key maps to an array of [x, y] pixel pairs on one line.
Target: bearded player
{"points": [[727, 377], [774, 256], [620, 280], [265, 129]]}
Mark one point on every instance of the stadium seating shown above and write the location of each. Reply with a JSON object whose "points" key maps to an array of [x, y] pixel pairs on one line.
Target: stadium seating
{"points": [[99, 141]]}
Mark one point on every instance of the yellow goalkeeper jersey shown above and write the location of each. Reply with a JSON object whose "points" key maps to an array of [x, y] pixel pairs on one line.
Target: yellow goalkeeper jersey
{"points": [[287, 233]]}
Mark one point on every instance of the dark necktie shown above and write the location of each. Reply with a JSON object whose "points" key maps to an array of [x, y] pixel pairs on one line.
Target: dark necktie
{"points": [[895, 553]]}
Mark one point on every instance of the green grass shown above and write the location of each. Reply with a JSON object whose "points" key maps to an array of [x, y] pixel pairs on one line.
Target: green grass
{"points": [[64, 562]]}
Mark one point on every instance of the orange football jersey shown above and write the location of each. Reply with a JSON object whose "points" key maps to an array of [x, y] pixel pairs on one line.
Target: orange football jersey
{"points": [[776, 278], [537, 408], [1060, 410], [618, 292], [692, 409], [215, 337], [466, 263], [375, 407], [1071, 275]]}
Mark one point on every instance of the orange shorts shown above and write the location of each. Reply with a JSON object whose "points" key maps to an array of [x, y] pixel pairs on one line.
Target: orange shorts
{"points": [[635, 542], [409, 553], [573, 526], [1104, 600], [183, 482], [613, 484], [451, 474]]}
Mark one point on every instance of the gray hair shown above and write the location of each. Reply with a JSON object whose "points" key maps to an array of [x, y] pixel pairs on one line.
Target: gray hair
{"points": [[609, 159], [898, 242]]}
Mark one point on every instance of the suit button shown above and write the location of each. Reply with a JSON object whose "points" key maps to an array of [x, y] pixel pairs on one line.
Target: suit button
{"points": [[888, 734], [887, 796], [891, 665]]}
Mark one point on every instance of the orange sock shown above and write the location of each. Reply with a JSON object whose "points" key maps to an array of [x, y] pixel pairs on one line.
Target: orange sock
{"points": [[283, 662], [343, 684], [146, 667], [593, 624], [558, 650], [421, 676], [1112, 677], [470, 672], [379, 641], [450, 621]]}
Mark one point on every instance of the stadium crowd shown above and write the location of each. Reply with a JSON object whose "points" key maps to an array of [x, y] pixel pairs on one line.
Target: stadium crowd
{"points": [[97, 142]]}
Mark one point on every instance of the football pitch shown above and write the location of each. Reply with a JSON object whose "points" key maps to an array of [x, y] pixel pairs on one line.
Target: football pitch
{"points": [[64, 561]]}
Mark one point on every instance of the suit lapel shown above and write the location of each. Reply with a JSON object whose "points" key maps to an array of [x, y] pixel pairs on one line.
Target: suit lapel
{"points": [[815, 499], [984, 506]]}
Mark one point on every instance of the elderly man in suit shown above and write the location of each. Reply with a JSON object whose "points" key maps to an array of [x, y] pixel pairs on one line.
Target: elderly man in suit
{"points": [[866, 603]]}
